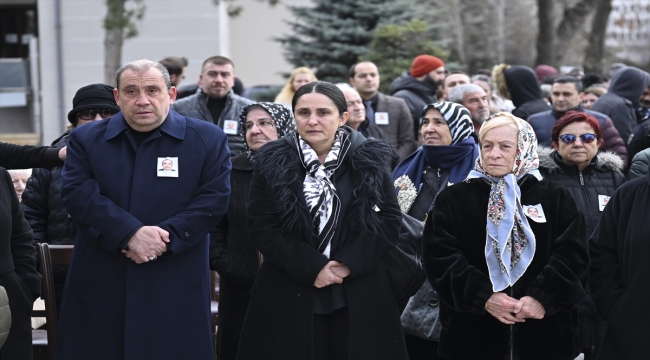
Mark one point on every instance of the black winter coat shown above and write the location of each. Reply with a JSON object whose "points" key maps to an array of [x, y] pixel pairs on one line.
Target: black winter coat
{"points": [[43, 207], [233, 256], [622, 99], [641, 139], [17, 272], [601, 177], [278, 324], [620, 270], [46, 214], [530, 108], [416, 93], [454, 257], [524, 90]]}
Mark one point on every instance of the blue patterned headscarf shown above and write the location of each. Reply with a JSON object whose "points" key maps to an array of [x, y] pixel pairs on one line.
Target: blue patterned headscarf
{"points": [[283, 118], [510, 242]]}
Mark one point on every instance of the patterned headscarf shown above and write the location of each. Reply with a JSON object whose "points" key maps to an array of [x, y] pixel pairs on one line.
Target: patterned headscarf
{"points": [[458, 157], [457, 116], [510, 243], [283, 118]]}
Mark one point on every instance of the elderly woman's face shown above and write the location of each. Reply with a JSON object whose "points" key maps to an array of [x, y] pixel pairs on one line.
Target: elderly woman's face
{"points": [[19, 180], [260, 128], [434, 129], [317, 120], [578, 152], [499, 149]]}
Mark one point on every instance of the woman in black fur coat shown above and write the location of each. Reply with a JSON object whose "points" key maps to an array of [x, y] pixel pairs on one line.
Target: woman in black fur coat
{"points": [[232, 252], [507, 253], [323, 213]]}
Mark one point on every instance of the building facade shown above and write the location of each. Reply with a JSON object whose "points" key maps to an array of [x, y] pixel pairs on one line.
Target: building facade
{"points": [[51, 48]]}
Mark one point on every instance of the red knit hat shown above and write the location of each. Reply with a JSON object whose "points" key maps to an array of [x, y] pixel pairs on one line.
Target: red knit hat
{"points": [[425, 64]]}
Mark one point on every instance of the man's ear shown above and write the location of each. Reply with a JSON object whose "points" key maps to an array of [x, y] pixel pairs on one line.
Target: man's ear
{"points": [[116, 95], [172, 94]]}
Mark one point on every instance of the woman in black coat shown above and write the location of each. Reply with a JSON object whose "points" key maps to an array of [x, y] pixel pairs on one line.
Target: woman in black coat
{"points": [[509, 285], [18, 273], [591, 178], [322, 211], [620, 270], [446, 157], [232, 252]]}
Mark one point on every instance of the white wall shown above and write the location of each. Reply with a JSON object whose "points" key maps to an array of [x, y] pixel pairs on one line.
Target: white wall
{"points": [[258, 59], [170, 27], [182, 28]]}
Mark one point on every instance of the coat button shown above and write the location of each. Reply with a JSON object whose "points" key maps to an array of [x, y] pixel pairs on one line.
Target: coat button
{"points": [[187, 234]]}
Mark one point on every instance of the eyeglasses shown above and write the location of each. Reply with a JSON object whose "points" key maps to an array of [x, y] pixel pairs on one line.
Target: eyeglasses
{"points": [[92, 113], [262, 124], [584, 138]]}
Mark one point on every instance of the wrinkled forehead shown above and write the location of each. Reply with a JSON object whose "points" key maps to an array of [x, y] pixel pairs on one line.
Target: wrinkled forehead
{"points": [[141, 78]]}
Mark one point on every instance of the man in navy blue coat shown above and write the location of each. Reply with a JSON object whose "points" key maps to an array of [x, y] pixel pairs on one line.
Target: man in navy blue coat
{"points": [[138, 285]]}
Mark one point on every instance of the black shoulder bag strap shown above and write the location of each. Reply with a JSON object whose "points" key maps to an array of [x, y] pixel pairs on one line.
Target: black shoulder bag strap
{"points": [[443, 184]]}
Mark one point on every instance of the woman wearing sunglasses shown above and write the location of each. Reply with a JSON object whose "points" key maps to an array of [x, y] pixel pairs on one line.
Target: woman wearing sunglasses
{"points": [[591, 177], [42, 196]]}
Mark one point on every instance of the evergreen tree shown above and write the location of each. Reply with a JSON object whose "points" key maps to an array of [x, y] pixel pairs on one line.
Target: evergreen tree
{"points": [[331, 36], [394, 47]]}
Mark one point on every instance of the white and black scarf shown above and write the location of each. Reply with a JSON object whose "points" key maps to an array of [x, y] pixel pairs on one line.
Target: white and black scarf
{"points": [[320, 193]]}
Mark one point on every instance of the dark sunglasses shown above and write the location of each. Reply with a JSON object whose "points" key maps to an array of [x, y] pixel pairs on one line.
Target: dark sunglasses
{"points": [[90, 114], [584, 138]]}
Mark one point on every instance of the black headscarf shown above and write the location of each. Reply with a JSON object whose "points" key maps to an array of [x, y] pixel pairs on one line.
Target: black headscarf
{"points": [[283, 118]]}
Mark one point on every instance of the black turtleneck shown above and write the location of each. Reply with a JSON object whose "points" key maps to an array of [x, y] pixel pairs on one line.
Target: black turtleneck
{"points": [[141, 137], [558, 114], [216, 106]]}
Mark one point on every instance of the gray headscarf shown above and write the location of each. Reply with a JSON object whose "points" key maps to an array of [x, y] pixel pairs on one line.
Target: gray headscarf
{"points": [[282, 117]]}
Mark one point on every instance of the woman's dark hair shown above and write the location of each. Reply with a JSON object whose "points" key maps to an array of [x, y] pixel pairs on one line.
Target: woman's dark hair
{"points": [[575, 116], [322, 87]]}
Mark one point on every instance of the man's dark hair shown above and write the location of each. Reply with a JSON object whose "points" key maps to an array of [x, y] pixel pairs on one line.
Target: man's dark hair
{"points": [[353, 68], [591, 79], [322, 87], [174, 65], [569, 80], [217, 60]]}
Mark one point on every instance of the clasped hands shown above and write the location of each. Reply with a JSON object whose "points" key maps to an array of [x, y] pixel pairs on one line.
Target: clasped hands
{"points": [[332, 273], [147, 244], [509, 310]]}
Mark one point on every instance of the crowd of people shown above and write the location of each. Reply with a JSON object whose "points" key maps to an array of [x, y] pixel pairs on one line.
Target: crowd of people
{"points": [[533, 244]]}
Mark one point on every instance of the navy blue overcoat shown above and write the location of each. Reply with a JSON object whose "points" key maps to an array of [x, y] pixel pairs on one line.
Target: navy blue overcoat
{"points": [[112, 307]]}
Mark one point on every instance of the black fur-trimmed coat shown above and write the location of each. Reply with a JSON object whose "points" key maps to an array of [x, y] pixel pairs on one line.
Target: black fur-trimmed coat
{"points": [[601, 177], [279, 319], [454, 257]]}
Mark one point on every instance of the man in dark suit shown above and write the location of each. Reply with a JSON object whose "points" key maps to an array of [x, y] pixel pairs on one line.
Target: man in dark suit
{"points": [[391, 114]]}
